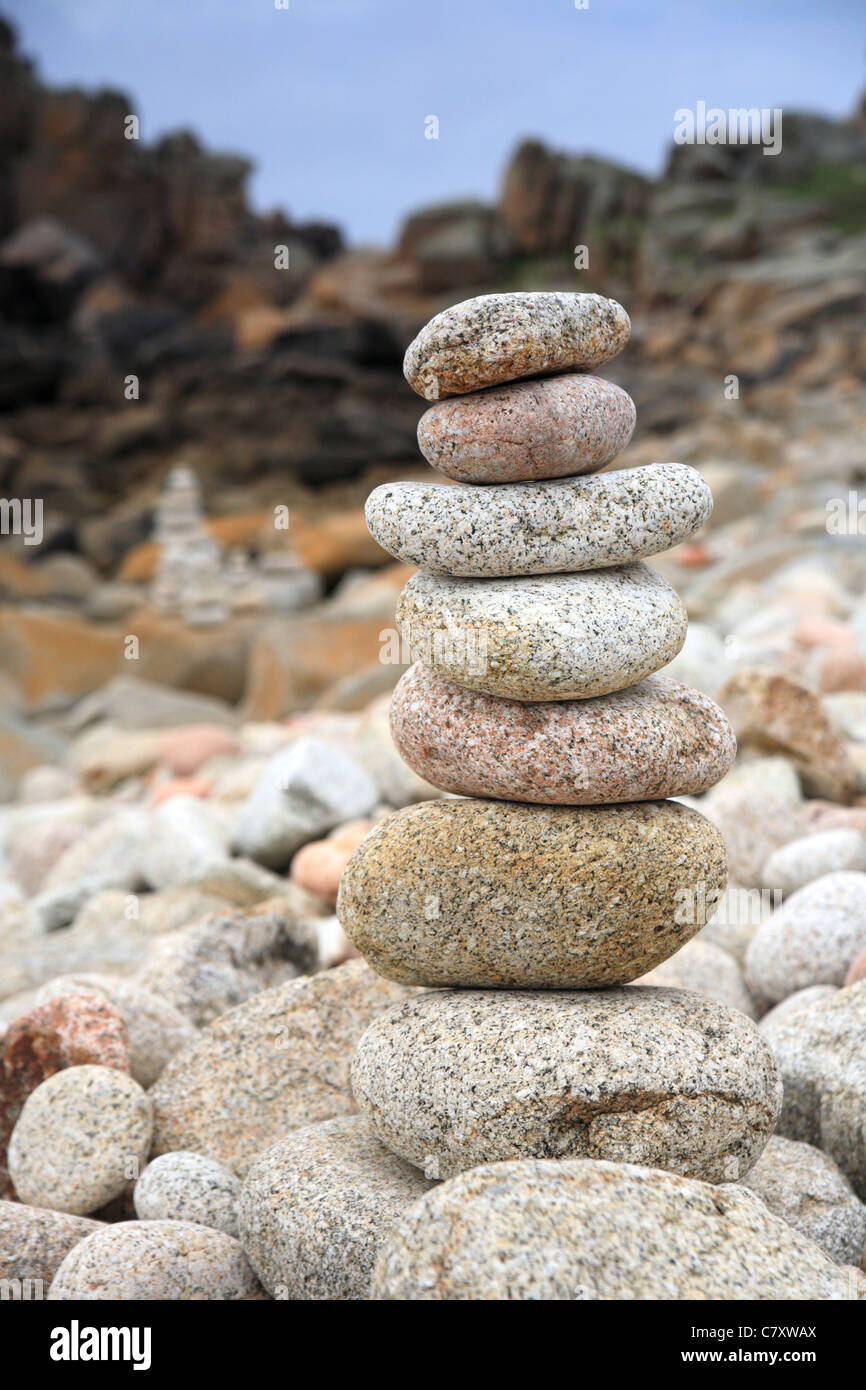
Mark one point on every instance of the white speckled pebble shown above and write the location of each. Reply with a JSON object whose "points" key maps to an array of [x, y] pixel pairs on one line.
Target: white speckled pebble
{"points": [[185, 1186], [812, 938], [156, 1260]]}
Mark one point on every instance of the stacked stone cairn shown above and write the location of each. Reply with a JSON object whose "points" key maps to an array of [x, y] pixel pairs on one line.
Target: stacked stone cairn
{"points": [[556, 872]]}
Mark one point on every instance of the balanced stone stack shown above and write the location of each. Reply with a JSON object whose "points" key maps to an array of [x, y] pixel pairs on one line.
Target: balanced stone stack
{"points": [[561, 870]]}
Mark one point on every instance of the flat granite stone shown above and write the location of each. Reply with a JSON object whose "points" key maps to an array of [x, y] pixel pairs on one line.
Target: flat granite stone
{"points": [[498, 894], [597, 1231], [502, 337], [572, 524], [316, 1208], [553, 427], [156, 1260], [653, 740], [454, 1078], [552, 637]]}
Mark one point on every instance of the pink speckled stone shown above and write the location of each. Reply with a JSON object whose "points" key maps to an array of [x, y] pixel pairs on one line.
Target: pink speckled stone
{"points": [[656, 739], [554, 427]]}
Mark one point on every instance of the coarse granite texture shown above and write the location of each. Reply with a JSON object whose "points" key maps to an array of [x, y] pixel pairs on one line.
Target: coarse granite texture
{"points": [[186, 1186], [316, 1208], [597, 1231], [156, 1260], [653, 740], [794, 1002], [454, 1078], [498, 894], [556, 637], [503, 337], [805, 1188], [573, 524], [811, 939], [34, 1241], [822, 1061], [553, 427], [76, 1138], [276, 1062]]}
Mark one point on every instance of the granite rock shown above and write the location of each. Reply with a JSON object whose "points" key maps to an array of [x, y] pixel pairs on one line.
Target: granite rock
{"points": [[455, 1078], [316, 1208], [500, 894], [709, 970], [34, 1241], [558, 637], [793, 1004], [185, 1186], [812, 938], [652, 740], [805, 1188], [156, 1260], [503, 337], [800, 861]]}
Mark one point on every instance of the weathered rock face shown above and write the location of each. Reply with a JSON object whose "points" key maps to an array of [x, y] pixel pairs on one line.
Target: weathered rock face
{"points": [[499, 894], [597, 1230], [316, 1208], [653, 1076]]}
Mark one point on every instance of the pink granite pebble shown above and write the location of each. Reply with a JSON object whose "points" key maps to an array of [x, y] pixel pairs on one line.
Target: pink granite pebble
{"points": [[656, 739], [552, 427]]}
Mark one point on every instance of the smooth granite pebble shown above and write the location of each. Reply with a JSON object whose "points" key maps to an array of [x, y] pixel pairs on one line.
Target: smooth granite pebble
{"points": [[34, 1241], [803, 860], [316, 1208], [156, 1260], [185, 1186], [500, 894], [812, 938], [575, 524], [597, 1231], [653, 740], [503, 337], [805, 1188], [454, 1078], [554, 427], [560, 637], [707, 969]]}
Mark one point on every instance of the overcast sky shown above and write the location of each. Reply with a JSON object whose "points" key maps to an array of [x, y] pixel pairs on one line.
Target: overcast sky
{"points": [[330, 97]]}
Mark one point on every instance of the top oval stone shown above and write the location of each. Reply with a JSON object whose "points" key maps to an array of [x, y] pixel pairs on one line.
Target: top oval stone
{"points": [[503, 337], [553, 427]]}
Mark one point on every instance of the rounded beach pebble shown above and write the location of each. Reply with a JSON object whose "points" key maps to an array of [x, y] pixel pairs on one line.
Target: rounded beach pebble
{"points": [[186, 1186], [560, 637], [156, 1260], [34, 1241], [455, 1078], [502, 337], [812, 938], [316, 1208], [79, 1138], [656, 739], [539, 528], [575, 1231], [804, 1186], [497, 894], [553, 427]]}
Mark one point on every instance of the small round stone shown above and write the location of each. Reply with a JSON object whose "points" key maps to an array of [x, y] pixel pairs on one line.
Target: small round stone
{"points": [[316, 1208], [156, 1260], [803, 860], [497, 894], [539, 528], [556, 637], [586, 1231], [79, 1138], [653, 740], [454, 1078], [553, 427], [185, 1186], [503, 337], [812, 938], [803, 1186]]}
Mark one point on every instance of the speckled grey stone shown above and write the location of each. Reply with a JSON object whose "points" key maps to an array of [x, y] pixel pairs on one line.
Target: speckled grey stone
{"points": [[822, 1062], [539, 528], [501, 894], [812, 938], [315, 1209], [185, 1186], [34, 1241], [78, 1139], [588, 1231], [503, 337], [156, 1260], [556, 637], [552, 427], [709, 970], [805, 1188], [803, 860], [278, 1061], [794, 1002], [456, 1078], [652, 740]]}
